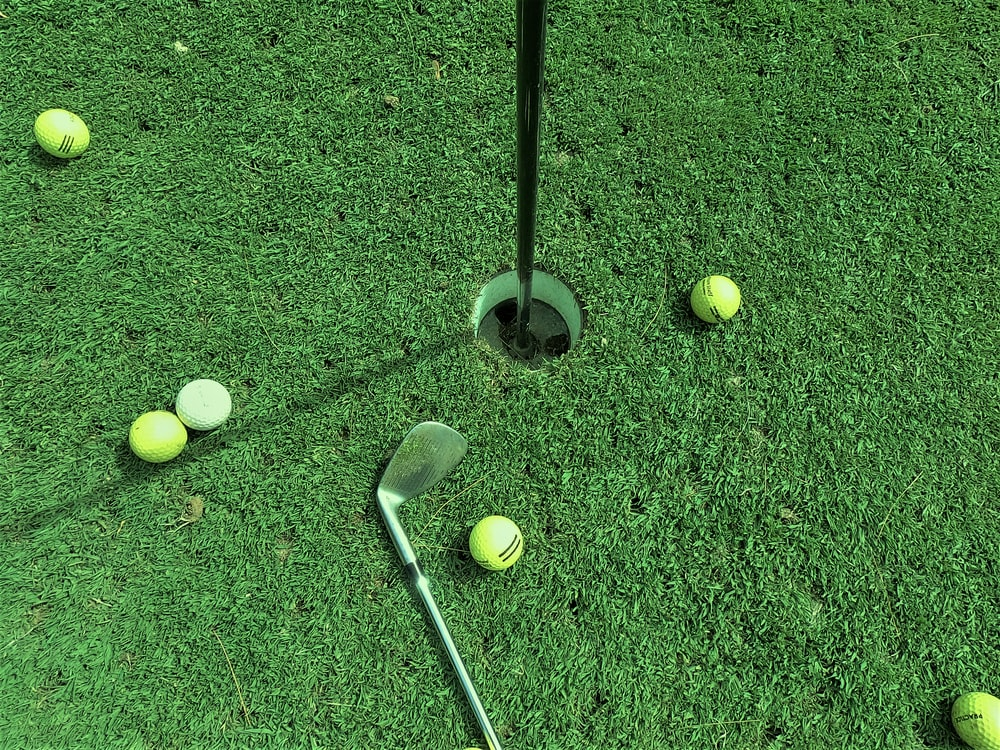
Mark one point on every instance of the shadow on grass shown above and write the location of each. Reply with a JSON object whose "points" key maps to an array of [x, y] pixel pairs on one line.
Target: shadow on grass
{"points": [[134, 470]]}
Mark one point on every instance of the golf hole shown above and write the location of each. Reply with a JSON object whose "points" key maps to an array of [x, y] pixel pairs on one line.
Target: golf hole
{"points": [[557, 318]]}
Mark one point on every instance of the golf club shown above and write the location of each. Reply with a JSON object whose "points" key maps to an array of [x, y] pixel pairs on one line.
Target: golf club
{"points": [[428, 452], [530, 46]]}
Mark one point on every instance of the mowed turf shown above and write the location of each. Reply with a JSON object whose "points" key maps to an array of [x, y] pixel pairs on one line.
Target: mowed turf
{"points": [[780, 532]]}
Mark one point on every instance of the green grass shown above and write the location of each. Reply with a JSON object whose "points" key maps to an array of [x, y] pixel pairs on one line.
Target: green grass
{"points": [[776, 533]]}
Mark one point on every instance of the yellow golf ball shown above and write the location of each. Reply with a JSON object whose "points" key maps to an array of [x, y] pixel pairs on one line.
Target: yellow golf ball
{"points": [[157, 436], [496, 543], [715, 299], [976, 717], [61, 133]]}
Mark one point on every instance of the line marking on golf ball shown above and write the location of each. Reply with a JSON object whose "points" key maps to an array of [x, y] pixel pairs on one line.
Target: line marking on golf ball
{"points": [[715, 299], [496, 543], [61, 133]]}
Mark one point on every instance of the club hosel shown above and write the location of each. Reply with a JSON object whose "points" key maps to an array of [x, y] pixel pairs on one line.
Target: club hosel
{"points": [[399, 539]]}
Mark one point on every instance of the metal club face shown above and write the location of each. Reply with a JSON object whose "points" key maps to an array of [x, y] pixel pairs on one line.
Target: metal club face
{"points": [[428, 452]]}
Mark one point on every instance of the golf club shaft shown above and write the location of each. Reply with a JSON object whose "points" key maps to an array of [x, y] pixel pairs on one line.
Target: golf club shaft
{"points": [[399, 538], [530, 70], [421, 584]]}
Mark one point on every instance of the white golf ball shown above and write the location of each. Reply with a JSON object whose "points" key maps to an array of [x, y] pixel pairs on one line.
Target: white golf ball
{"points": [[204, 404]]}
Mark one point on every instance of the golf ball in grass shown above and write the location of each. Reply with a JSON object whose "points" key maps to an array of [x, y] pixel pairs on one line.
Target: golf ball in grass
{"points": [[496, 543], [715, 299], [976, 717], [204, 404], [61, 133], [157, 436]]}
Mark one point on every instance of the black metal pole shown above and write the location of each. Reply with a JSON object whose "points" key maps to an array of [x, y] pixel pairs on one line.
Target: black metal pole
{"points": [[530, 48]]}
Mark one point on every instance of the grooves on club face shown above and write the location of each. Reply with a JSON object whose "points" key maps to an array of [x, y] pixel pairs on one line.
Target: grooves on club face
{"points": [[428, 452]]}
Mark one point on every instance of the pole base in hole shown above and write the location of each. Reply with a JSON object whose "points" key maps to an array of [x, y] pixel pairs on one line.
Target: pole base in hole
{"points": [[556, 318]]}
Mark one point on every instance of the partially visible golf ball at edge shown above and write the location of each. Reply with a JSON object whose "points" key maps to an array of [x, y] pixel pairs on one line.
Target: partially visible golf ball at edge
{"points": [[61, 133], [204, 404], [157, 436], [976, 717], [496, 543], [715, 299]]}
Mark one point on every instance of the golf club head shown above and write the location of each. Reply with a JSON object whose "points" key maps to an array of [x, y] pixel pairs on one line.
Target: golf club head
{"points": [[428, 452]]}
